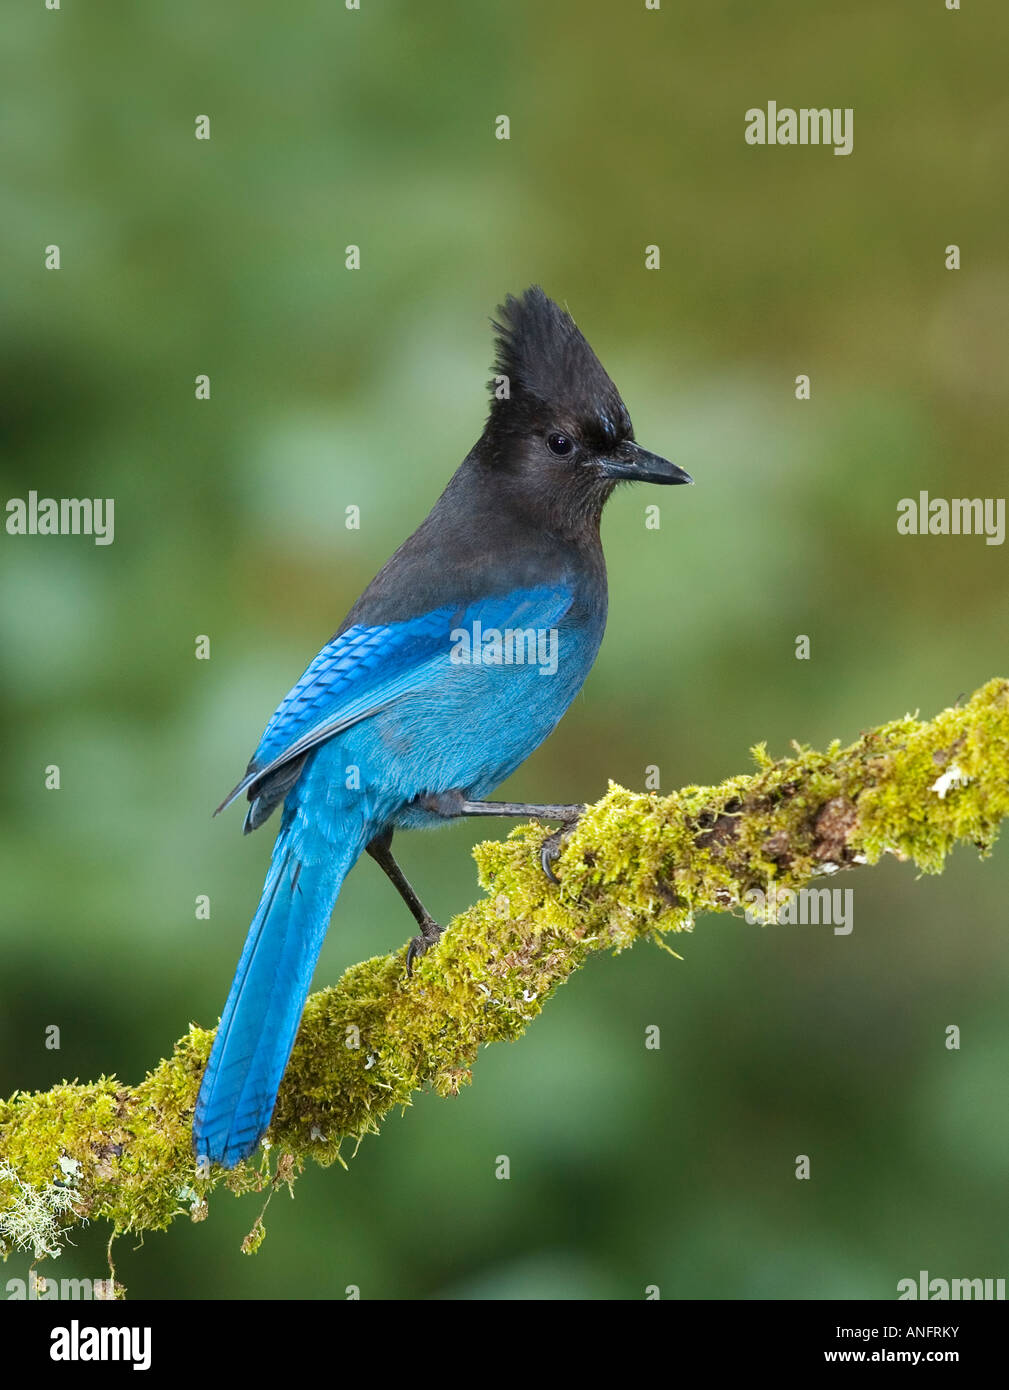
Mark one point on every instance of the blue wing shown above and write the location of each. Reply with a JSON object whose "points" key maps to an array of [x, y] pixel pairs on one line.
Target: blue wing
{"points": [[366, 669]]}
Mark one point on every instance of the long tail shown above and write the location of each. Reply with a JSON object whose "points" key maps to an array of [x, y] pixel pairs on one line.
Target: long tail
{"points": [[260, 1019]]}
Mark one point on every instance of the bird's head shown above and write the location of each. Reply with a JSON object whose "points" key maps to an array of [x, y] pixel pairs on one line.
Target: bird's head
{"points": [[556, 417]]}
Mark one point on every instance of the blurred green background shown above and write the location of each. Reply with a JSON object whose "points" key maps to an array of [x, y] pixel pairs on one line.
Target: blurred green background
{"points": [[329, 388]]}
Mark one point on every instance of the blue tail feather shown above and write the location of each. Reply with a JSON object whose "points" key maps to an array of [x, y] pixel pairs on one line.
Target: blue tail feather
{"points": [[260, 1020]]}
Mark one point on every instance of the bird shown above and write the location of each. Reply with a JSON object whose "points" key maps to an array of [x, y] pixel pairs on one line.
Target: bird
{"points": [[456, 662]]}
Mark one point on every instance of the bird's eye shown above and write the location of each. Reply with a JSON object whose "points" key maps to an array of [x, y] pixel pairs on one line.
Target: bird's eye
{"points": [[560, 444]]}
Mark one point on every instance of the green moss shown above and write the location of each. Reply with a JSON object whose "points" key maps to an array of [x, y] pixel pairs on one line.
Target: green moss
{"points": [[635, 866]]}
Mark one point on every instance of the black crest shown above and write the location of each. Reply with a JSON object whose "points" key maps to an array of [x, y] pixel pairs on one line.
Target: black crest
{"points": [[549, 364]]}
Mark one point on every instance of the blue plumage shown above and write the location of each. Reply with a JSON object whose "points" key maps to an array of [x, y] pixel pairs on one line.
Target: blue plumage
{"points": [[454, 665]]}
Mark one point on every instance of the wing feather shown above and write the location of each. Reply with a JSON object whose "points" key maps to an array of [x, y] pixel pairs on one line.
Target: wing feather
{"points": [[367, 669]]}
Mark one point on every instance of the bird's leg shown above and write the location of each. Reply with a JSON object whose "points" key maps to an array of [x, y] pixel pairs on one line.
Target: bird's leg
{"points": [[454, 804], [533, 810], [551, 846], [380, 851]]}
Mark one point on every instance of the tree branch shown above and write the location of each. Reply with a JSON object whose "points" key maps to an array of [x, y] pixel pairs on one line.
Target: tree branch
{"points": [[635, 866]]}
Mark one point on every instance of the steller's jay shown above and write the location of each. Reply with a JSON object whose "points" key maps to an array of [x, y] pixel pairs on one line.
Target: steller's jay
{"points": [[454, 664]]}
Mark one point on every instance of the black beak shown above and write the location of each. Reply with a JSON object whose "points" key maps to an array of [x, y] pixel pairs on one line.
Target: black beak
{"points": [[633, 464]]}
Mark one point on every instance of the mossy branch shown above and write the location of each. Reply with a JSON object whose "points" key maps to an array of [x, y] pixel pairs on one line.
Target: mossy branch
{"points": [[636, 866]]}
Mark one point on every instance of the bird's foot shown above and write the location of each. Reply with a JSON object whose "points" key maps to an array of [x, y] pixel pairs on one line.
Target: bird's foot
{"points": [[551, 847], [430, 932]]}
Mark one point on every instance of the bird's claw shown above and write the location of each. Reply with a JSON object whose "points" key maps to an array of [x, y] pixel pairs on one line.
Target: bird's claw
{"points": [[429, 933], [551, 847]]}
